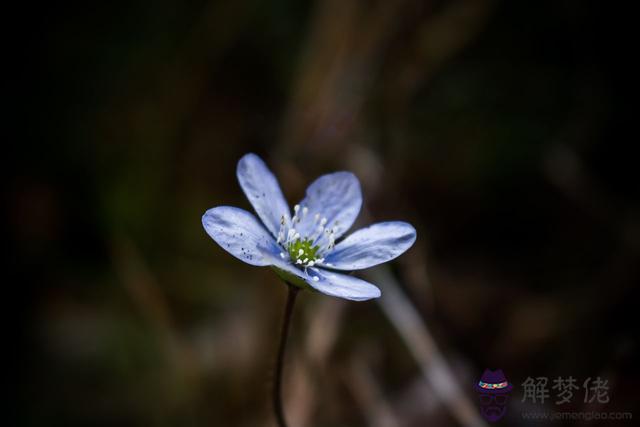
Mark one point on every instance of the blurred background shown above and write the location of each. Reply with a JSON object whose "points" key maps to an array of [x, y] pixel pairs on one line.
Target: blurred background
{"points": [[498, 129]]}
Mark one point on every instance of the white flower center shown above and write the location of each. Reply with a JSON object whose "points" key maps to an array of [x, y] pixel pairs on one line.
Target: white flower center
{"points": [[308, 250]]}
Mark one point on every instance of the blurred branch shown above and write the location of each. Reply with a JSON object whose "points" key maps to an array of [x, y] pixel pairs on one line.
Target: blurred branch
{"points": [[368, 392], [341, 60], [564, 168], [321, 336], [435, 369], [440, 39], [141, 286]]}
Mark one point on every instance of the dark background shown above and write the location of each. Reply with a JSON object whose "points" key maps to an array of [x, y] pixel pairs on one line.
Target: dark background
{"points": [[501, 130]]}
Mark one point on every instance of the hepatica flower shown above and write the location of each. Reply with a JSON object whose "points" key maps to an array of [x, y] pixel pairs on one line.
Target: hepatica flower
{"points": [[304, 246]]}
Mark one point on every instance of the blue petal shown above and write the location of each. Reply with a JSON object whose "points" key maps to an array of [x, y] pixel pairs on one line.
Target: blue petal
{"points": [[343, 286], [371, 246], [262, 189], [336, 197], [328, 282], [241, 234]]}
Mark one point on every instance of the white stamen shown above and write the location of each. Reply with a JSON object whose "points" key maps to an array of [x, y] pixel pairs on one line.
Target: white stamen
{"points": [[323, 221], [297, 236], [298, 262], [296, 208], [320, 260], [305, 210], [282, 255], [281, 231], [300, 252], [316, 278], [332, 241], [295, 219], [311, 264], [305, 260]]}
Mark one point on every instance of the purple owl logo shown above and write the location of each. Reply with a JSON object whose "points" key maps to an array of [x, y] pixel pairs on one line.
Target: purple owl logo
{"points": [[493, 390]]}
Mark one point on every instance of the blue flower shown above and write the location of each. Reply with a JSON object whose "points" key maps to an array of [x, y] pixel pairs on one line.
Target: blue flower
{"points": [[304, 249]]}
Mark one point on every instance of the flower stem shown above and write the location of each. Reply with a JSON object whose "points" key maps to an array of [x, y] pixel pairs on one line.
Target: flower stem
{"points": [[284, 333]]}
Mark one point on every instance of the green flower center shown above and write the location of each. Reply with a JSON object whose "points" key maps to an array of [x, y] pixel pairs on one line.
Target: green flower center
{"points": [[303, 250]]}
